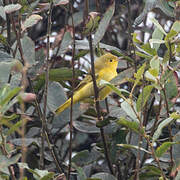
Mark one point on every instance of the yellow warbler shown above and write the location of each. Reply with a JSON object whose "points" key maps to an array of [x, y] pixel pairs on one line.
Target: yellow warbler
{"points": [[105, 68]]}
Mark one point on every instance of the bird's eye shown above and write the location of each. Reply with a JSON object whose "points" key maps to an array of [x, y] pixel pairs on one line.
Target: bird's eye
{"points": [[110, 60]]}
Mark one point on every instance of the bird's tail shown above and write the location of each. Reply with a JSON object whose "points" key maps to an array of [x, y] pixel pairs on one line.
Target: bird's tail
{"points": [[63, 106]]}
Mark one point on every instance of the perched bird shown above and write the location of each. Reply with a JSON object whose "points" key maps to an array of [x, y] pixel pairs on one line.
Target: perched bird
{"points": [[105, 69]]}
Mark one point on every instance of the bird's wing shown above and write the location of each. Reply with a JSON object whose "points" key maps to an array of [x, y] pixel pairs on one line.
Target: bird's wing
{"points": [[85, 81]]}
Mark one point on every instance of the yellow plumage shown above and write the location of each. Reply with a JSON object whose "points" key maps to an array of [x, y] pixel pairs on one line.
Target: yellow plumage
{"points": [[105, 68]]}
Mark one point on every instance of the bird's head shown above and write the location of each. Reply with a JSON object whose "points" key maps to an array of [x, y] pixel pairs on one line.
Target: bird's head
{"points": [[107, 60]]}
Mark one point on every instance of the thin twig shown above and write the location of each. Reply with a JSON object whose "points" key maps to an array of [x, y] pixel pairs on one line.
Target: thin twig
{"points": [[107, 105], [169, 126], [18, 37], [23, 87], [130, 30], [96, 96], [8, 28], [51, 148], [73, 85], [46, 85]]}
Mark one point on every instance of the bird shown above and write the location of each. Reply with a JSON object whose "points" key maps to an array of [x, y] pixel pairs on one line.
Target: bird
{"points": [[105, 69]]}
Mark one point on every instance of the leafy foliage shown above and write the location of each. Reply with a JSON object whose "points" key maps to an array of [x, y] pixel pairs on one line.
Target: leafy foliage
{"points": [[42, 63]]}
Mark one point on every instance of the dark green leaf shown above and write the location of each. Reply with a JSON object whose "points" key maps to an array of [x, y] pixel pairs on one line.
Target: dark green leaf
{"points": [[85, 157], [58, 75], [27, 141], [104, 24], [31, 21], [66, 41], [6, 67], [157, 34], [129, 111], [5, 162], [131, 125], [28, 49], [80, 171], [10, 94], [129, 146], [86, 127], [56, 97], [102, 123], [163, 148], [2, 13], [156, 23], [147, 48], [143, 97], [163, 124], [103, 176]]}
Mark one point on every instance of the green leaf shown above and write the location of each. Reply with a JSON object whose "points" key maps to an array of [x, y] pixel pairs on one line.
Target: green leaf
{"points": [[38, 174], [10, 117], [102, 123], [80, 171], [104, 24], [139, 74], [122, 76], [85, 157], [14, 128], [155, 63], [12, 8], [166, 8], [163, 148], [135, 38], [128, 109], [2, 13], [56, 97], [10, 94], [143, 55], [150, 77], [116, 90], [41, 174], [129, 146], [170, 36], [175, 115], [156, 23], [163, 124], [58, 75], [31, 20], [170, 85], [143, 97], [175, 150], [26, 141], [133, 125], [150, 172], [10, 104], [86, 127], [147, 48], [102, 176], [117, 52], [66, 41], [28, 48], [5, 162], [6, 67], [176, 26], [81, 53], [157, 34], [156, 41], [149, 5]]}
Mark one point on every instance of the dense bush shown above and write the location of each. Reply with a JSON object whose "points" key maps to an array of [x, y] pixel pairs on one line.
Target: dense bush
{"points": [[46, 49]]}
